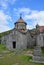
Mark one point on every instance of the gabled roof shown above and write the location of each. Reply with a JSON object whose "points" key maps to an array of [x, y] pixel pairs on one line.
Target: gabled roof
{"points": [[41, 28]]}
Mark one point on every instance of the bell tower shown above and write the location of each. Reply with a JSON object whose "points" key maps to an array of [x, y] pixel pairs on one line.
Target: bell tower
{"points": [[20, 24]]}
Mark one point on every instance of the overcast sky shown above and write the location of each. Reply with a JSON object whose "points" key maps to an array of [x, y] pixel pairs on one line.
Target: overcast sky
{"points": [[32, 13]]}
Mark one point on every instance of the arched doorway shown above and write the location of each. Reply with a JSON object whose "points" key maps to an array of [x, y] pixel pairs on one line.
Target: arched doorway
{"points": [[14, 44]]}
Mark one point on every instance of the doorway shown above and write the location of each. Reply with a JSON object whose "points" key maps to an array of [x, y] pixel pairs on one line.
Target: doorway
{"points": [[14, 44]]}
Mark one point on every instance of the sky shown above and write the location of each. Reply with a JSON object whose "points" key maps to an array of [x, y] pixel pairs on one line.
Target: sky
{"points": [[32, 12]]}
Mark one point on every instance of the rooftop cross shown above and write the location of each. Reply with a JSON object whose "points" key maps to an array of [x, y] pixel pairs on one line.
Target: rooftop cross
{"points": [[20, 16]]}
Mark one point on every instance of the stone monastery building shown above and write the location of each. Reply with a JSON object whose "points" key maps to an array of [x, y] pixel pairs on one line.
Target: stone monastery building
{"points": [[20, 37]]}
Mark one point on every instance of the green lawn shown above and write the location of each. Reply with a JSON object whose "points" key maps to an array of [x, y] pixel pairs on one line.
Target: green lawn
{"points": [[10, 58]]}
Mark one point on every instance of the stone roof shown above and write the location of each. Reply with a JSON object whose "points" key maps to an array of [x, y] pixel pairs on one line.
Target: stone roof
{"points": [[20, 20]]}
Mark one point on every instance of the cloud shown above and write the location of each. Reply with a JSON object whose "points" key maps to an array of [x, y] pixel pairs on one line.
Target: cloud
{"points": [[32, 16], [24, 10], [4, 21], [36, 17], [29, 27], [5, 3]]}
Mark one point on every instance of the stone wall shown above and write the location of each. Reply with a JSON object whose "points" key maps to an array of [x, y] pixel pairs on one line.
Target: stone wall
{"points": [[22, 40], [15, 36], [29, 40]]}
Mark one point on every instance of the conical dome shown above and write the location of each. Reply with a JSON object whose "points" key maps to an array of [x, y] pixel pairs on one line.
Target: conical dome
{"points": [[20, 20]]}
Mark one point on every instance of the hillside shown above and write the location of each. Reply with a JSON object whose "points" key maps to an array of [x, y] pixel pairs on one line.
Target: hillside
{"points": [[7, 32], [4, 33]]}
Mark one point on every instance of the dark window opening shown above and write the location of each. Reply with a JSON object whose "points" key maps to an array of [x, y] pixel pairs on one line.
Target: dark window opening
{"points": [[14, 44], [0, 41]]}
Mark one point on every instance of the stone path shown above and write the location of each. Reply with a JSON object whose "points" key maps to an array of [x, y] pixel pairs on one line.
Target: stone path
{"points": [[6, 51], [29, 53], [1, 56], [17, 53], [16, 64]]}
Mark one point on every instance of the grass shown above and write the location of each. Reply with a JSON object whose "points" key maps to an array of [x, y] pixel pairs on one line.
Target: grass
{"points": [[21, 59], [42, 52], [42, 49], [4, 33], [9, 58], [2, 47]]}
